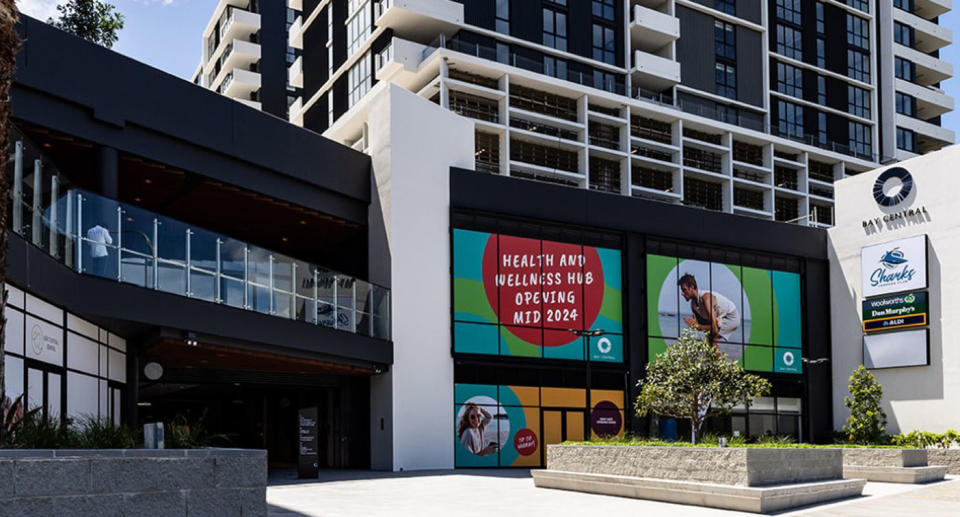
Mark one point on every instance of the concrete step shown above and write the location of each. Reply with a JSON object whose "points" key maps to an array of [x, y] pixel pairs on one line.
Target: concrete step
{"points": [[895, 474]]}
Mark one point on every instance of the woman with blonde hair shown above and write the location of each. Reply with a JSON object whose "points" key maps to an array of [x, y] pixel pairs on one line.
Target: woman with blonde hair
{"points": [[470, 430]]}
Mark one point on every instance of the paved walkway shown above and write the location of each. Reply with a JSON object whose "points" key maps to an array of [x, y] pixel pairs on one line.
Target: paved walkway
{"points": [[507, 493]]}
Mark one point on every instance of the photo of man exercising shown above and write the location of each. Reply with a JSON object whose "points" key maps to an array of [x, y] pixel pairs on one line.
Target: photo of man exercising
{"points": [[713, 312]]}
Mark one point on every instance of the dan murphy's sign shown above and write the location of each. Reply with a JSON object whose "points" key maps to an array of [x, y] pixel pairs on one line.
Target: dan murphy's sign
{"points": [[894, 312], [894, 267]]}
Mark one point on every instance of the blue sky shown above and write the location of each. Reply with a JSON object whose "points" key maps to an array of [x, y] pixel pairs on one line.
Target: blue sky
{"points": [[166, 34]]}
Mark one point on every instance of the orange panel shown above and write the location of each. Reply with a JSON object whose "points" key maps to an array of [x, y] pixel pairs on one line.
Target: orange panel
{"points": [[615, 396], [528, 395], [552, 427], [563, 397], [575, 426], [533, 423]]}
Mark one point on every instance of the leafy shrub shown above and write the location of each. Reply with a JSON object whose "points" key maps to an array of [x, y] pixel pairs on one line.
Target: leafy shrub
{"points": [[924, 439], [867, 421], [182, 433], [40, 431], [102, 433]]}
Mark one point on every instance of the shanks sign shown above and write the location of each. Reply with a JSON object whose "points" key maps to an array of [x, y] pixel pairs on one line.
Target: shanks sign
{"points": [[895, 266]]}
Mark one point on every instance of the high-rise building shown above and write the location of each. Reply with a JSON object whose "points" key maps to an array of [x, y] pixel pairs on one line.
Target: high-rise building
{"points": [[246, 54], [740, 106]]}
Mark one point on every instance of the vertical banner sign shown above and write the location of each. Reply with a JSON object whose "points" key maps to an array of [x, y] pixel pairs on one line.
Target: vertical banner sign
{"points": [[895, 266], [308, 460]]}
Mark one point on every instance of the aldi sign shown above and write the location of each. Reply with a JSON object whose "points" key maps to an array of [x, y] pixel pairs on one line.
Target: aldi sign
{"points": [[894, 267]]}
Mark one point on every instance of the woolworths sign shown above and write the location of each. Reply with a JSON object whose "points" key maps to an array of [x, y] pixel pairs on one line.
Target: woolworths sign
{"points": [[893, 312]]}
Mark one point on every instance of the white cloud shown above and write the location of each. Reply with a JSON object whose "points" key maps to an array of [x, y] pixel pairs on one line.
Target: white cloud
{"points": [[39, 9]]}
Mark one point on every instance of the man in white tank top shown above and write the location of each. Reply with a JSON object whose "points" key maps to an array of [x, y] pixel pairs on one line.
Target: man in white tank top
{"points": [[713, 312]]}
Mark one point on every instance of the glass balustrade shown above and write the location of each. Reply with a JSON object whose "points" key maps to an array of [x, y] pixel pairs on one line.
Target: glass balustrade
{"points": [[117, 241]]}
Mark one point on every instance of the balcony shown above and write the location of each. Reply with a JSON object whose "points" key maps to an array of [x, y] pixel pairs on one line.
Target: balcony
{"points": [[239, 54], [653, 72], [239, 83], [236, 23], [930, 136], [296, 5], [295, 72], [928, 36], [930, 70], [296, 33], [148, 250], [651, 30], [419, 20], [931, 102], [930, 9]]}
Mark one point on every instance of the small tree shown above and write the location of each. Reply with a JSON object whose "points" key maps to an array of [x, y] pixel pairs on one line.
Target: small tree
{"points": [[91, 20], [691, 380], [867, 423]]}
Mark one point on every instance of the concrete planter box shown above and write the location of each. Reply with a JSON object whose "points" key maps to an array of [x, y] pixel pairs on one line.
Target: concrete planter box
{"points": [[890, 465], [744, 479], [229, 482], [949, 458], [726, 466]]}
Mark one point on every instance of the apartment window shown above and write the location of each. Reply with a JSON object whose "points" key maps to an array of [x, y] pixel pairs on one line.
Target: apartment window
{"points": [[903, 34], [821, 90], [790, 80], [503, 53], [862, 5], [822, 128], [503, 16], [606, 81], [488, 152], [906, 5], [785, 209], [860, 138], [858, 101], [726, 6], [789, 11], [359, 80], [904, 69], [704, 194], [554, 29], [555, 67], [789, 42], [358, 30], [906, 105], [604, 44], [353, 5], [726, 79], [906, 140], [858, 65], [604, 175], [330, 41], [604, 9], [724, 40], [858, 32], [790, 119], [820, 19]]}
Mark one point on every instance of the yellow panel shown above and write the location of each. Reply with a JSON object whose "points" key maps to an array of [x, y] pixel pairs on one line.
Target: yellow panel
{"points": [[528, 395], [615, 396], [533, 423], [575, 426], [552, 427], [563, 397]]}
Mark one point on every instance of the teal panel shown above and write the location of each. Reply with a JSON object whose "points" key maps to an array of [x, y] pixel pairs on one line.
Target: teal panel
{"points": [[464, 392], [606, 348], [476, 338], [468, 249], [786, 310], [787, 360]]}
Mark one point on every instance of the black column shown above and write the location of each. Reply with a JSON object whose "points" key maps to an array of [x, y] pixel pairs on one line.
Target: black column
{"points": [[108, 172], [273, 61]]}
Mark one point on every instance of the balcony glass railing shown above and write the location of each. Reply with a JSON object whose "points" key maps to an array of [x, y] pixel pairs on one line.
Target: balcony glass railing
{"points": [[117, 241]]}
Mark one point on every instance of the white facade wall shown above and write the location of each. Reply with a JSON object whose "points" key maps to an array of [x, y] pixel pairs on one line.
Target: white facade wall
{"points": [[413, 144], [919, 397], [50, 353]]}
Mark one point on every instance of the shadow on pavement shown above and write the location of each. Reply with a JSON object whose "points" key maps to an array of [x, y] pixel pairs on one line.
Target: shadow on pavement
{"points": [[279, 511], [289, 477]]}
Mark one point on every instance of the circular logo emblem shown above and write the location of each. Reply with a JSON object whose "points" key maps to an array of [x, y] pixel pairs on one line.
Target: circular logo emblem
{"points": [[892, 186], [605, 419], [788, 358], [36, 339], [525, 441], [604, 345], [910, 298]]}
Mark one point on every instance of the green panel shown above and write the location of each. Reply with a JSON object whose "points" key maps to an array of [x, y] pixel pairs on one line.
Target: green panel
{"points": [[786, 321], [655, 347], [514, 346], [658, 269], [758, 358], [758, 293], [470, 302], [476, 338]]}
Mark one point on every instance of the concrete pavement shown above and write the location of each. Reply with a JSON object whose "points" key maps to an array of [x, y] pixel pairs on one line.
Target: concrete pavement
{"points": [[505, 493]]}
